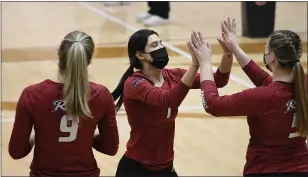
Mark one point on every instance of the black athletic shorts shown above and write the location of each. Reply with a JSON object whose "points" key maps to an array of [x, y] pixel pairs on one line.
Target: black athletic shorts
{"points": [[131, 168], [279, 175]]}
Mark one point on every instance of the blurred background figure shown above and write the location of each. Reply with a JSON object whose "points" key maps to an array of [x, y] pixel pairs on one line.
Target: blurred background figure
{"points": [[258, 18], [116, 3], [158, 14]]}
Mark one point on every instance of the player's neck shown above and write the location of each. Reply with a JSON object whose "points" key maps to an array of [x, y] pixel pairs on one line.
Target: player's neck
{"points": [[283, 75], [154, 74]]}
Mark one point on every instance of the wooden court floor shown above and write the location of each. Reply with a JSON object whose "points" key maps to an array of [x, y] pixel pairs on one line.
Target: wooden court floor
{"points": [[203, 145]]}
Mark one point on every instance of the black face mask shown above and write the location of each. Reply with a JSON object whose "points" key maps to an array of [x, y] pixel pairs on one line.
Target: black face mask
{"points": [[160, 58], [266, 65]]}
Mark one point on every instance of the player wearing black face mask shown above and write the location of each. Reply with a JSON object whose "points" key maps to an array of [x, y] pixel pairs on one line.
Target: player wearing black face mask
{"points": [[160, 58], [151, 98], [264, 61]]}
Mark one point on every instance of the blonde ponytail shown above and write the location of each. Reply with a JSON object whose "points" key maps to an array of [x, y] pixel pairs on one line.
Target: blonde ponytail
{"points": [[301, 100], [78, 49]]}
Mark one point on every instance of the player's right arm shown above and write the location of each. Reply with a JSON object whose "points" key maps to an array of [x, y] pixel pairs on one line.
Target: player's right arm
{"points": [[141, 89], [107, 140], [20, 144]]}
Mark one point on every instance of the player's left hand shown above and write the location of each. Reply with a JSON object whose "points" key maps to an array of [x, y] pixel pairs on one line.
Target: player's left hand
{"points": [[224, 48], [195, 62], [201, 48]]}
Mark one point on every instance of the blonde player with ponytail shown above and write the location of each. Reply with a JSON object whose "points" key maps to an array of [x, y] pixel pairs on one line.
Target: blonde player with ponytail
{"points": [[65, 115]]}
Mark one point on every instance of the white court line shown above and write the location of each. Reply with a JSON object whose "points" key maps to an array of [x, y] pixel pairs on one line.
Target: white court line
{"points": [[7, 120], [167, 45]]}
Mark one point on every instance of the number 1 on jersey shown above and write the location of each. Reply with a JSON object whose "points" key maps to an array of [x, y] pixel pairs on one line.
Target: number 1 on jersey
{"points": [[72, 130], [169, 113], [293, 135]]}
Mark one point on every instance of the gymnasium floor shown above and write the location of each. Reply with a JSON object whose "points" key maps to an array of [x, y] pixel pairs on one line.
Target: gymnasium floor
{"points": [[32, 32]]}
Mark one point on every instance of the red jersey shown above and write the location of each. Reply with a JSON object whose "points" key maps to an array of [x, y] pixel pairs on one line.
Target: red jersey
{"points": [[151, 113], [274, 146], [62, 150]]}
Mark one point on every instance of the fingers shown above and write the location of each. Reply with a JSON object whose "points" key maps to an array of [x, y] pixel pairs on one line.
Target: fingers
{"points": [[224, 37], [221, 42], [208, 44], [224, 28], [192, 47], [233, 26], [197, 36], [233, 23], [229, 24], [193, 55], [194, 40], [201, 38], [226, 25], [197, 39]]}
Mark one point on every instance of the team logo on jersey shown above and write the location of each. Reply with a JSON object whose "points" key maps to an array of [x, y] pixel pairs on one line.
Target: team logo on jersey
{"points": [[136, 81], [291, 106], [204, 103], [58, 105]]}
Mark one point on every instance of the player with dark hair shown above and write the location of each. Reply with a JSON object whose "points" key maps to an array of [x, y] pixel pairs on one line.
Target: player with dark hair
{"points": [[151, 97]]}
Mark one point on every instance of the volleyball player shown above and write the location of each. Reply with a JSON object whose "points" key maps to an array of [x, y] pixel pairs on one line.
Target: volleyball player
{"points": [[151, 98], [64, 115], [277, 108]]}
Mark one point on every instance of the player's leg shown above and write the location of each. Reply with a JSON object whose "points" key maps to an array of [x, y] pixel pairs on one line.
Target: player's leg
{"points": [[168, 172]]}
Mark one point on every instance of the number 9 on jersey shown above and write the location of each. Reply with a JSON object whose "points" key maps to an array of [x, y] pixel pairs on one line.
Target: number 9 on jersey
{"points": [[72, 130]]}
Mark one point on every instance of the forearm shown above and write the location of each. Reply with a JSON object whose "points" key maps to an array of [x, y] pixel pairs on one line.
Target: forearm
{"points": [[206, 72], [226, 63], [19, 148], [190, 75], [242, 58]]}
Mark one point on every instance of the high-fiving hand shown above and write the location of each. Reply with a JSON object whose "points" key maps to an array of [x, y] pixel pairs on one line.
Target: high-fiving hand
{"points": [[229, 34], [201, 48]]}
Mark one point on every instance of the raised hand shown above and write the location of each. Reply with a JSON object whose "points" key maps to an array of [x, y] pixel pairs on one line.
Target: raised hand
{"points": [[229, 34], [201, 49], [225, 49], [193, 57]]}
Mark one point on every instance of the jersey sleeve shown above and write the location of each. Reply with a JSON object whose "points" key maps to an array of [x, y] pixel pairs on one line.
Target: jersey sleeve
{"points": [[248, 102], [221, 79], [141, 89], [19, 145], [257, 75], [107, 141]]}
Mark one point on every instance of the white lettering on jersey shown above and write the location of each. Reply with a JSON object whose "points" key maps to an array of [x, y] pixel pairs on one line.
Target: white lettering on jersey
{"points": [[58, 104]]}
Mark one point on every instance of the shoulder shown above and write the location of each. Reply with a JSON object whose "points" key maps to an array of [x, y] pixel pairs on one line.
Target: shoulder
{"points": [[31, 93], [99, 90], [175, 71], [98, 87], [259, 93], [174, 74], [136, 80], [35, 89]]}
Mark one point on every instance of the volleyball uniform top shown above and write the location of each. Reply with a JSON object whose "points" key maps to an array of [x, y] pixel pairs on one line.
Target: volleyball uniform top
{"points": [[151, 113], [63, 148], [274, 146]]}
